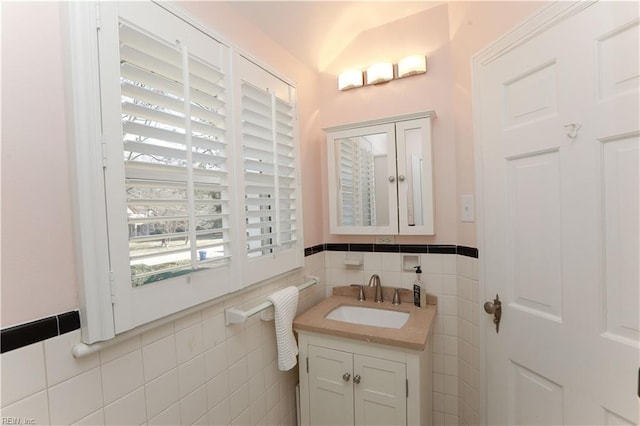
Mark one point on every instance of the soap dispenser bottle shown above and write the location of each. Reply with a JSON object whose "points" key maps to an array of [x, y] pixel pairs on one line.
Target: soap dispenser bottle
{"points": [[419, 293]]}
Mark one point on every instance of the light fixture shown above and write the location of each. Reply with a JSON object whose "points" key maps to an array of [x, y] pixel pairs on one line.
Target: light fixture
{"points": [[350, 79], [412, 65], [383, 72], [380, 73]]}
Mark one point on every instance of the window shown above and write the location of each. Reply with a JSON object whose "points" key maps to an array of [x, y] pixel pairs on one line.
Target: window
{"points": [[175, 158], [197, 186]]}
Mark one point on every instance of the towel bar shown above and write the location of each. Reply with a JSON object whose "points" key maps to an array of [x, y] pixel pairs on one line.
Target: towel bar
{"points": [[236, 316], [81, 350]]}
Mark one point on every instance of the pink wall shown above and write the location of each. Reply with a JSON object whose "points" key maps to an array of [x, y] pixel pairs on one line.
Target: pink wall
{"points": [[472, 26], [423, 33], [38, 271], [449, 35]]}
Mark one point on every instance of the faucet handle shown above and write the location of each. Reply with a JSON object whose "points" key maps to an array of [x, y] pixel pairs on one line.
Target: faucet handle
{"points": [[396, 297], [361, 297]]}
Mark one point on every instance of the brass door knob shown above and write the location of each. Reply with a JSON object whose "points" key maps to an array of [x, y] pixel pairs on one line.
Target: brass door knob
{"points": [[494, 308]]}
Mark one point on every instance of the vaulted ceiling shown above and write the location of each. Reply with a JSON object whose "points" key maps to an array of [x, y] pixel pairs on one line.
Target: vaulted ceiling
{"points": [[317, 31]]}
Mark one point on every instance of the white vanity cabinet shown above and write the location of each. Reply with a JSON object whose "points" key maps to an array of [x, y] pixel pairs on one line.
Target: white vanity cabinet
{"points": [[348, 382], [381, 176]]}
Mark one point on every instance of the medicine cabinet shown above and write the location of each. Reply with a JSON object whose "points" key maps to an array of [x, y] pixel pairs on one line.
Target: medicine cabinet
{"points": [[381, 176]]}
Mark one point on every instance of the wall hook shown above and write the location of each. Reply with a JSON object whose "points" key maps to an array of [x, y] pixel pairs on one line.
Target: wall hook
{"points": [[572, 129]]}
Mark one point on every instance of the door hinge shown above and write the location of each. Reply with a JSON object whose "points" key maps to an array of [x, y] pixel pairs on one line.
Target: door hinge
{"points": [[307, 365], [112, 285], [407, 386], [103, 147], [97, 15]]}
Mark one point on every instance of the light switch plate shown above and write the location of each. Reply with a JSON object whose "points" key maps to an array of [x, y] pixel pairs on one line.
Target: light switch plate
{"points": [[467, 213]]}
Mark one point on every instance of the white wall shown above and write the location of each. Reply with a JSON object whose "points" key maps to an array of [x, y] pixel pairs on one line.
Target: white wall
{"points": [[192, 371], [456, 357], [197, 371]]}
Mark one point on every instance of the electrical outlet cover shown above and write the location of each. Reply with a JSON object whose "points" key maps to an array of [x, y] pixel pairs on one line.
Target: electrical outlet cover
{"points": [[385, 239]]}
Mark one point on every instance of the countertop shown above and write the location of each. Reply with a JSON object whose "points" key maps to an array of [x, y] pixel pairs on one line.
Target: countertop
{"points": [[412, 335]]}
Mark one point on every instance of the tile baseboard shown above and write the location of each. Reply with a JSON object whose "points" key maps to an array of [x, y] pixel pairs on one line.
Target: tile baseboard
{"points": [[394, 248]]}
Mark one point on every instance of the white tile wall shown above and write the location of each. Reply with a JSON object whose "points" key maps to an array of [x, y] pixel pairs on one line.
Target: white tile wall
{"points": [[34, 407], [199, 371], [95, 418], [439, 276], [75, 398], [121, 376], [128, 410], [192, 371], [468, 341], [23, 373]]}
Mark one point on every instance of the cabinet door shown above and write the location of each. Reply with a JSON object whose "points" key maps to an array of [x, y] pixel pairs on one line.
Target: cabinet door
{"points": [[415, 177], [381, 396], [330, 391], [362, 180]]}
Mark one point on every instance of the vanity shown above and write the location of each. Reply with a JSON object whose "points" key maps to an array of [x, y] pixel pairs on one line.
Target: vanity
{"points": [[353, 372]]}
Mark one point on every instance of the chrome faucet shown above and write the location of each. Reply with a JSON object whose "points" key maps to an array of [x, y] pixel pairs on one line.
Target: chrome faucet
{"points": [[374, 281]]}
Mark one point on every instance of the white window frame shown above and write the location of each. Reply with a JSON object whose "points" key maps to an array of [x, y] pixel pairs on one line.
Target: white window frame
{"points": [[97, 291]]}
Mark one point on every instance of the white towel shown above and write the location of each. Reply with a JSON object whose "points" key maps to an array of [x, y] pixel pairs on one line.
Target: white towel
{"points": [[285, 305], [268, 314]]}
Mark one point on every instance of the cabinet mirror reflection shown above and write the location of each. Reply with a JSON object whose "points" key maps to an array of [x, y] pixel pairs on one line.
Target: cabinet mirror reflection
{"points": [[362, 174], [380, 178]]}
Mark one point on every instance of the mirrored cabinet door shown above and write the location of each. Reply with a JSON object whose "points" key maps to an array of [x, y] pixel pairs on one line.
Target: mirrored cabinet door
{"points": [[380, 177], [363, 168]]}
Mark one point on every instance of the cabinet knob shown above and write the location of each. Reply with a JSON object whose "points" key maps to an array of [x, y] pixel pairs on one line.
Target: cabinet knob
{"points": [[356, 379], [346, 377], [392, 179], [401, 178]]}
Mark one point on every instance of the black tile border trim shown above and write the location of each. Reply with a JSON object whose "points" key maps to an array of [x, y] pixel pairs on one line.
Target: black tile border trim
{"points": [[468, 251], [36, 331], [394, 248]]}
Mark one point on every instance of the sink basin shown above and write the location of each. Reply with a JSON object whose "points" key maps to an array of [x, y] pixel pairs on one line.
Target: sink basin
{"points": [[369, 316]]}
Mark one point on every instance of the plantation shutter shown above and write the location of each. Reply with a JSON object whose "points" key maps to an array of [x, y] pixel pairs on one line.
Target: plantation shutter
{"points": [[175, 156], [271, 182], [269, 171], [172, 129], [168, 167]]}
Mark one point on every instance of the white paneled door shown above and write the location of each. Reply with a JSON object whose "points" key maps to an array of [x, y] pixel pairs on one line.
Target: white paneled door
{"points": [[557, 126]]}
